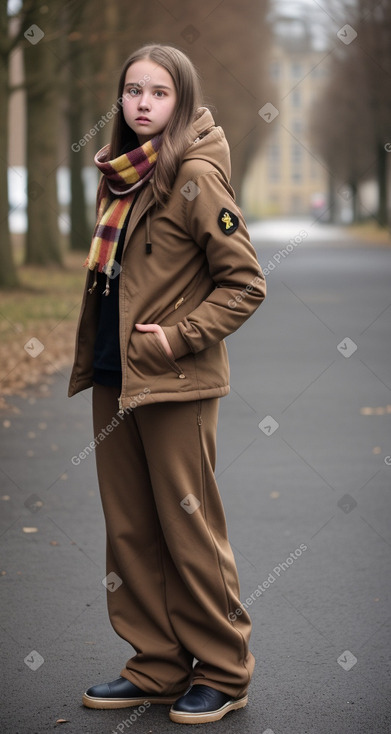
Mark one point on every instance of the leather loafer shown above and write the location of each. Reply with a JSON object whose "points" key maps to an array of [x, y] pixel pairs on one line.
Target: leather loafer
{"points": [[202, 704], [118, 694]]}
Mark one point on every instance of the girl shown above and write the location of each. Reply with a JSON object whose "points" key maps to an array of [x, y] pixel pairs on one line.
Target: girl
{"points": [[171, 272]]}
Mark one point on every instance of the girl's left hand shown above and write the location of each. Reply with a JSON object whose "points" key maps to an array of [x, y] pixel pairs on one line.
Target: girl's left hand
{"points": [[159, 331]]}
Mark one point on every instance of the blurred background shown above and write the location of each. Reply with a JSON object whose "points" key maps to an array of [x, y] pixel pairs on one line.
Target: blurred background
{"points": [[301, 88]]}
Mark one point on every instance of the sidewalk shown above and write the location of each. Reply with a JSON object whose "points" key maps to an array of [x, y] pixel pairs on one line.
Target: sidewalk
{"points": [[302, 469]]}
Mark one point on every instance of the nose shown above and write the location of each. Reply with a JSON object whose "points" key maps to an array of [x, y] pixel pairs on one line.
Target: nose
{"points": [[143, 102]]}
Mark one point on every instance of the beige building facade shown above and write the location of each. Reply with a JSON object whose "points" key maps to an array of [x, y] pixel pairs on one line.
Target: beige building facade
{"points": [[287, 177]]}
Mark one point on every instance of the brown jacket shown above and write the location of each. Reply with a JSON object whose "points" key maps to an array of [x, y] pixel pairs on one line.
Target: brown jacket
{"points": [[200, 282]]}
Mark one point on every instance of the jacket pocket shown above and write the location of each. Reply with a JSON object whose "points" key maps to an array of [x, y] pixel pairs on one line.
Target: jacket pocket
{"points": [[171, 362], [147, 357]]}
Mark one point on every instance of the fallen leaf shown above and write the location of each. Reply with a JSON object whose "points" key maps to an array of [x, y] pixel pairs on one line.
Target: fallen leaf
{"points": [[30, 530]]}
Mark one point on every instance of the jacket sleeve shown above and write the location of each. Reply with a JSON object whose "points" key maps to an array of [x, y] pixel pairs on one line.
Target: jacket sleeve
{"points": [[233, 266]]}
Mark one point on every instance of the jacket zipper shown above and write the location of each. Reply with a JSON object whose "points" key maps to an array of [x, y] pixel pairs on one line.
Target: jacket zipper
{"points": [[132, 224]]}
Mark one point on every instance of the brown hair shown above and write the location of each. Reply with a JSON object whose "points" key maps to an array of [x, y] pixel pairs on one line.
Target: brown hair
{"points": [[176, 133]]}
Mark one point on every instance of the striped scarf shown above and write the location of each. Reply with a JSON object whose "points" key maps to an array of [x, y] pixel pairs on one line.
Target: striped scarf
{"points": [[122, 176]]}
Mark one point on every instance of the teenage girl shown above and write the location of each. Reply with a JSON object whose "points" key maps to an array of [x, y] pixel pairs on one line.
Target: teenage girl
{"points": [[171, 273]]}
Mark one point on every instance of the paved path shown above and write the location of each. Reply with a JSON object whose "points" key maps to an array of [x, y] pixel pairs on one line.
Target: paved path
{"points": [[307, 498]]}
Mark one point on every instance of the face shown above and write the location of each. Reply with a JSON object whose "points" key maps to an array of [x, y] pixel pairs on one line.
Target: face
{"points": [[149, 98]]}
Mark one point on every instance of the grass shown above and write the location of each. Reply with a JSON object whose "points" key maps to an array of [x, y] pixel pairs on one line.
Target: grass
{"points": [[44, 294], [45, 306], [371, 232]]}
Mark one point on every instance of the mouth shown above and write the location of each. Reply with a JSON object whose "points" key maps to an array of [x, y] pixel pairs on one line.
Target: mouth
{"points": [[142, 119]]}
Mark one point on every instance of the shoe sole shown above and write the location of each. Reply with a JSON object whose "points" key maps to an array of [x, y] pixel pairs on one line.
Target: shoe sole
{"points": [[182, 717], [121, 703]]}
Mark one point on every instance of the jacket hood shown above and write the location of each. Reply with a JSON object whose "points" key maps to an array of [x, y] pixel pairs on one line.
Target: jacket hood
{"points": [[209, 143]]}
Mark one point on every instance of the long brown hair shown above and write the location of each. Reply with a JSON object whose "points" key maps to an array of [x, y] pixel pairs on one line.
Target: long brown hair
{"points": [[176, 133]]}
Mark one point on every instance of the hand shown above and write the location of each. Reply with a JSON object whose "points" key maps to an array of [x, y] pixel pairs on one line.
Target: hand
{"points": [[159, 331]]}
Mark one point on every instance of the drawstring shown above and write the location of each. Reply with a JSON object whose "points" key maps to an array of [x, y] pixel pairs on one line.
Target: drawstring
{"points": [[148, 244], [95, 283], [107, 289]]}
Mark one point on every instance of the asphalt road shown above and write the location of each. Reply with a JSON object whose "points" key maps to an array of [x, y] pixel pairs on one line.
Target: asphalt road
{"points": [[304, 471]]}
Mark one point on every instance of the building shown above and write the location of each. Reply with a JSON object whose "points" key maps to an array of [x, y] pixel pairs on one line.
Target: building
{"points": [[287, 177]]}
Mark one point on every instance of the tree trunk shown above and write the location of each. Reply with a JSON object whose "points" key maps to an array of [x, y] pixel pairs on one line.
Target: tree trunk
{"points": [[80, 232], [332, 213], [41, 74], [382, 208], [355, 208], [8, 274]]}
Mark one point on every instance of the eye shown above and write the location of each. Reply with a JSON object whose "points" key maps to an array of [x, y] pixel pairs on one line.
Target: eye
{"points": [[160, 93], [132, 92]]}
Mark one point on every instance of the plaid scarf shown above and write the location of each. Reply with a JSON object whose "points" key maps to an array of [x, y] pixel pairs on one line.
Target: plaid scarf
{"points": [[122, 176]]}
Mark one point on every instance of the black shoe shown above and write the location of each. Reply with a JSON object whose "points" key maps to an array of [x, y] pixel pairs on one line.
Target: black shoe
{"points": [[118, 694], [202, 704]]}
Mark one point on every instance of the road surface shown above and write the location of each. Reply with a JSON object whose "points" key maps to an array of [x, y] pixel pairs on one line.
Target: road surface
{"points": [[304, 470]]}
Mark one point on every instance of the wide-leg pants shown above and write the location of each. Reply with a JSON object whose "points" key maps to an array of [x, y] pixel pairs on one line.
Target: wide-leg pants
{"points": [[177, 587]]}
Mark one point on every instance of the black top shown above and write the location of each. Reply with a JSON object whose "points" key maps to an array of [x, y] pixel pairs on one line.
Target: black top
{"points": [[107, 357]]}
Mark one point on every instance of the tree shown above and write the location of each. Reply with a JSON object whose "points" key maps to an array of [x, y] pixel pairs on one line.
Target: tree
{"points": [[74, 111], [351, 123], [341, 129], [8, 273], [43, 244], [229, 48]]}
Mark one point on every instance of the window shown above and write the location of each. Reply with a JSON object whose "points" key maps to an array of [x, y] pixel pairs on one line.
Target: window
{"points": [[296, 98], [296, 162], [273, 162], [315, 168], [296, 204], [296, 70], [297, 126], [274, 70]]}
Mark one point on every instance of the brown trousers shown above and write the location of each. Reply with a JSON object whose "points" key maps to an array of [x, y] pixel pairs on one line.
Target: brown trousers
{"points": [[167, 542]]}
